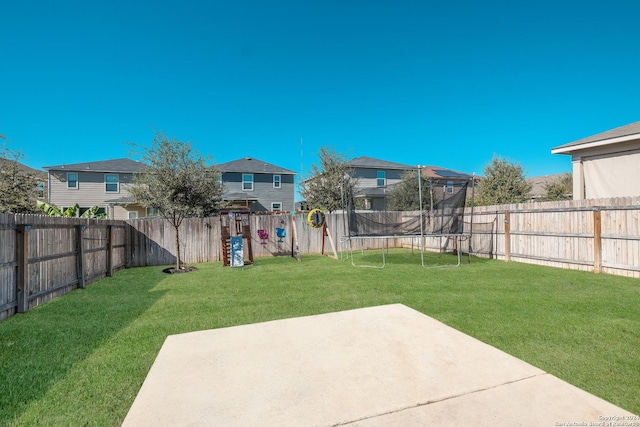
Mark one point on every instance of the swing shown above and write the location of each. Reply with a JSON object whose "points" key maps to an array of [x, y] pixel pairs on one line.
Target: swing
{"points": [[281, 233], [263, 235]]}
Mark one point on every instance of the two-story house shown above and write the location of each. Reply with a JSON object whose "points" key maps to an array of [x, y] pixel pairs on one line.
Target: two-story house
{"points": [[253, 184], [375, 179], [103, 183]]}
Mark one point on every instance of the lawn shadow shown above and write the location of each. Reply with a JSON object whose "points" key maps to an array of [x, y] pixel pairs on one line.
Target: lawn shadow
{"points": [[39, 348]]}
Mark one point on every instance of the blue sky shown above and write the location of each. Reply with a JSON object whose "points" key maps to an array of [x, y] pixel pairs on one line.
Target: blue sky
{"points": [[442, 83]]}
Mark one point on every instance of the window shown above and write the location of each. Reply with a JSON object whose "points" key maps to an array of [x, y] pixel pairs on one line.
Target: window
{"points": [[111, 182], [152, 212], [72, 180], [276, 206], [381, 178], [277, 181], [133, 215], [449, 187], [41, 189], [247, 182]]}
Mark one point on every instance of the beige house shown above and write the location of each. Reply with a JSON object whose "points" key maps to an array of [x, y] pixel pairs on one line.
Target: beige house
{"points": [[104, 184], [606, 164]]}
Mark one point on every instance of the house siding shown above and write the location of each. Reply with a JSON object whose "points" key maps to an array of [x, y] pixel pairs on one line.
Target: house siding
{"points": [[90, 192], [368, 178], [263, 189]]}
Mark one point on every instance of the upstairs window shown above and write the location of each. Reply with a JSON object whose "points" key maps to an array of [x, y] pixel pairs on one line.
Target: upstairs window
{"points": [[72, 180], [449, 187], [381, 179], [153, 213], [277, 181], [111, 182], [276, 206], [247, 182]]}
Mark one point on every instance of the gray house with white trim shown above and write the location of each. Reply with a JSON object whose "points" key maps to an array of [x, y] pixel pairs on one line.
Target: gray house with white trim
{"points": [[375, 179], [101, 183], [253, 184]]}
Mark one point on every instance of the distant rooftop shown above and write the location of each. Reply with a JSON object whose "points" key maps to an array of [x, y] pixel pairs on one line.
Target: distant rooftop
{"points": [[252, 165], [116, 165]]}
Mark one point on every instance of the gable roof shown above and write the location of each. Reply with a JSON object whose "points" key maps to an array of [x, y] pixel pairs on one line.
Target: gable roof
{"points": [[371, 163], [620, 134], [116, 165], [252, 165]]}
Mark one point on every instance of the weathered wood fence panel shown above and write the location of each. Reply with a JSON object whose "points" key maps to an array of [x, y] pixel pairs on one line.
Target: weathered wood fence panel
{"points": [[43, 257], [600, 235]]}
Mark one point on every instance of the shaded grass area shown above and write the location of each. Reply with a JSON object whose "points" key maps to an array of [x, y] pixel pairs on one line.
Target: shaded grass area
{"points": [[81, 359]]}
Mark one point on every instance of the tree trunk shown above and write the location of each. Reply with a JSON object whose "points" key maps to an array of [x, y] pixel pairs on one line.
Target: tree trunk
{"points": [[177, 249]]}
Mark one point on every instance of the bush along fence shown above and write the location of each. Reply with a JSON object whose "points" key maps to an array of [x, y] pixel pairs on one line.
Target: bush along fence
{"points": [[44, 257]]}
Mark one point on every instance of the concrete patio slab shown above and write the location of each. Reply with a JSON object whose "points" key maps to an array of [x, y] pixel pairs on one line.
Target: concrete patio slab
{"points": [[379, 366]]}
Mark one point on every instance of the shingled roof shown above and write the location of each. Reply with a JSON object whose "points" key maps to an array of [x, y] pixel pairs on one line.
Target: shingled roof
{"points": [[629, 130], [116, 165], [252, 165], [371, 163]]}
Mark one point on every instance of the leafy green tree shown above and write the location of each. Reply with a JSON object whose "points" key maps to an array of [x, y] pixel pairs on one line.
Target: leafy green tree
{"points": [[329, 182], [560, 189], [503, 183], [405, 195], [178, 182], [18, 188]]}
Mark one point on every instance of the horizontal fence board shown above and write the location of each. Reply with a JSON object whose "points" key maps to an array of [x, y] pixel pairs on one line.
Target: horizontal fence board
{"points": [[558, 234]]}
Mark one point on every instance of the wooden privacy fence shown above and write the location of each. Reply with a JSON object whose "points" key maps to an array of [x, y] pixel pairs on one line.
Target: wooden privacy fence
{"points": [[44, 257], [599, 235]]}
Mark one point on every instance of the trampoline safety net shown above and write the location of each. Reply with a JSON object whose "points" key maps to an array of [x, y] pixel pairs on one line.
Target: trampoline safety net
{"points": [[444, 215]]}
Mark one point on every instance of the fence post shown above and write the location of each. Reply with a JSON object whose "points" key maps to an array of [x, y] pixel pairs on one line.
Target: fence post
{"points": [[22, 279], [597, 240], [80, 256], [507, 236], [109, 250]]}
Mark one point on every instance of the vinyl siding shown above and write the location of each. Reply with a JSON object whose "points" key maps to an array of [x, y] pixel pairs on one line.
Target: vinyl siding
{"points": [[263, 189], [368, 178], [90, 192]]}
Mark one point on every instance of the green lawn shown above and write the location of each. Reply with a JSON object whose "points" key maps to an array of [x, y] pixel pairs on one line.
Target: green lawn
{"points": [[81, 359]]}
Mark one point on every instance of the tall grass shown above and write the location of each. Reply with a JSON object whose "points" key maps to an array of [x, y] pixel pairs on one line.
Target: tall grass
{"points": [[81, 359]]}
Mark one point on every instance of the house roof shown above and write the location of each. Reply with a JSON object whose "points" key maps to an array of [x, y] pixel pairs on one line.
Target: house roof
{"points": [[371, 163], [116, 165], [539, 184], [444, 173], [252, 165], [620, 134], [24, 169]]}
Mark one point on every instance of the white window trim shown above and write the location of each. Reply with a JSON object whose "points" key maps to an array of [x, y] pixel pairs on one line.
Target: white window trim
{"points": [[117, 183], [273, 209], [243, 181], [77, 180], [450, 185], [132, 215], [278, 181]]}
